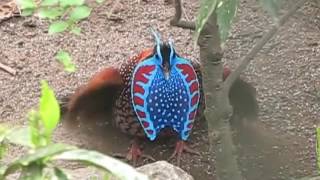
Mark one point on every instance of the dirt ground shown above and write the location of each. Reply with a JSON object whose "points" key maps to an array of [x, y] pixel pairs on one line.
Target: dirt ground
{"points": [[286, 74]]}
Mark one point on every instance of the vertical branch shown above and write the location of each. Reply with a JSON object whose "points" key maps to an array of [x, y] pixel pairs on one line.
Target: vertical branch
{"points": [[218, 109]]}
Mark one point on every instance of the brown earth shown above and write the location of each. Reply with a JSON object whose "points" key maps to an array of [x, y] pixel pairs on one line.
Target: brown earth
{"points": [[286, 74]]}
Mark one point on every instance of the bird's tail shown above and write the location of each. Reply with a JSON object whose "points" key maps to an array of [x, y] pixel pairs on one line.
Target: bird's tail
{"points": [[97, 96]]}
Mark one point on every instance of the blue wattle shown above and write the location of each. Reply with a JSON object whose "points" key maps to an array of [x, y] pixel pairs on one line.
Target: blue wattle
{"points": [[165, 102]]}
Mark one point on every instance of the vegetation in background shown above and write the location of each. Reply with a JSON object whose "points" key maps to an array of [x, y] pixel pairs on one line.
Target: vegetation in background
{"points": [[226, 11], [38, 162], [65, 15], [318, 147], [65, 59], [212, 27]]}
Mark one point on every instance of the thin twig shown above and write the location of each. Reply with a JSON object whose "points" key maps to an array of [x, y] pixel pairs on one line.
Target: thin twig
{"points": [[254, 51], [8, 69], [176, 20]]}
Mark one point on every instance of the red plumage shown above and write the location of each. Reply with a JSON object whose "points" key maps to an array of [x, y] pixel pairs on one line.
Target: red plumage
{"points": [[114, 85]]}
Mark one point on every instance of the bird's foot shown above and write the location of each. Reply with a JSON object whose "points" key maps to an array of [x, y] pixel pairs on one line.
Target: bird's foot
{"points": [[134, 154], [181, 147]]}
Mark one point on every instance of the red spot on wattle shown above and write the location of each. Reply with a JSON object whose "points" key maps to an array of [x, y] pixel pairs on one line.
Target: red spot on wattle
{"points": [[187, 70], [146, 125], [194, 87], [149, 131], [192, 114], [141, 114], [190, 125], [138, 89], [137, 100], [194, 99], [144, 70]]}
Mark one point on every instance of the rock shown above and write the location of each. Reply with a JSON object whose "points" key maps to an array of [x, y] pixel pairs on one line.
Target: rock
{"points": [[162, 170]]}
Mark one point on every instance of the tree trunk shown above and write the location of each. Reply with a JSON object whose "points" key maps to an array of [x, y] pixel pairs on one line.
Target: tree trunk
{"points": [[218, 110]]}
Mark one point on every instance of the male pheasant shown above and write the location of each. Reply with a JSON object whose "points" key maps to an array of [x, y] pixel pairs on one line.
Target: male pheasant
{"points": [[155, 93], [152, 94]]}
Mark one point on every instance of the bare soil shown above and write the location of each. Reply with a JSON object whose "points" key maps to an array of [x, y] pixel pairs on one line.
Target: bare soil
{"points": [[286, 74]]}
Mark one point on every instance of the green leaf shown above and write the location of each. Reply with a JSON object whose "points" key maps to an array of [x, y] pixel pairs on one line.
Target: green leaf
{"points": [[4, 130], [226, 10], [272, 7], [50, 13], [107, 176], [3, 150], [65, 3], [58, 26], [37, 134], [20, 136], [318, 146], [64, 58], [34, 171], [206, 9], [39, 155], [49, 2], [49, 109], [3, 168], [80, 12], [27, 12], [99, 1], [60, 174], [76, 30], [26, 4], [116, 167]]}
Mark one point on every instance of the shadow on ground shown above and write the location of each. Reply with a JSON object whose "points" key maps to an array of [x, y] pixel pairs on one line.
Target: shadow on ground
{"points": [[262, 153]]}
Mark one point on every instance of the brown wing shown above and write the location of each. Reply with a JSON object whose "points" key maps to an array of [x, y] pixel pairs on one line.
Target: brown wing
{"points": [[127, 67], [125, 117], [202, 102]]}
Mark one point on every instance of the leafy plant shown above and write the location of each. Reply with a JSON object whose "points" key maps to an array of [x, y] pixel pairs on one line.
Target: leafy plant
{"points": [[318, 146], [65, 58], [226, 11], [38, 163], [65, 14]]}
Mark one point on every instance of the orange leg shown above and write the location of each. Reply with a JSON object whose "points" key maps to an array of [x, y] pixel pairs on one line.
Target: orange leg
{"points": [[181, 147], [135, 153]]}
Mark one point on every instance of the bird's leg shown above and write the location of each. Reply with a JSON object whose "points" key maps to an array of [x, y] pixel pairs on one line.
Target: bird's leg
{"points": [[135, 153], [181, 147]]}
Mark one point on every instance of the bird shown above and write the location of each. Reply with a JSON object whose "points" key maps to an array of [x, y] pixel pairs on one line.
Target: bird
{"points": [[157, 93], [154, 93]]}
